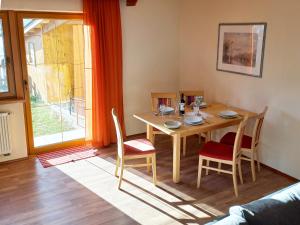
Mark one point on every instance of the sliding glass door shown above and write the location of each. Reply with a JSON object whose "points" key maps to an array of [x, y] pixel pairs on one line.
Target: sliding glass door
{"points": [[56, 104]]}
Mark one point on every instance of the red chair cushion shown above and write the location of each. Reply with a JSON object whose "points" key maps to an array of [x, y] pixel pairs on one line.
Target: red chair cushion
{"points": [[138, 147], [229, 138], [217, 150]]}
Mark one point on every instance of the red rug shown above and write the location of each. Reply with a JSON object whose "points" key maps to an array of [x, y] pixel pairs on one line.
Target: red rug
{"points": [[66, 155]]}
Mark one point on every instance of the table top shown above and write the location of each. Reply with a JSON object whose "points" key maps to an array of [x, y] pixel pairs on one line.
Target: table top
{"points": [[210, 114]]}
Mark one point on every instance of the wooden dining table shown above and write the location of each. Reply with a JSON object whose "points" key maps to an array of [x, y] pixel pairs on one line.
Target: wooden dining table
{"points": [[212, 121]]}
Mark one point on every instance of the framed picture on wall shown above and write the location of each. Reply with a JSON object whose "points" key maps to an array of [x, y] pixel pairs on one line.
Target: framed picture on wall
{"points": [[241, 48]]}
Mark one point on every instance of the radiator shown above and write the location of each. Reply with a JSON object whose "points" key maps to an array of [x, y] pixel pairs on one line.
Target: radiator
{"points": [[5, 140]]}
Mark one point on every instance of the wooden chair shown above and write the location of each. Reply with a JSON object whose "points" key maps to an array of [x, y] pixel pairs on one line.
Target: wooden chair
{"points": [[249, 144], [169, 99], [189, 98], [134, 149], [224, 154]]}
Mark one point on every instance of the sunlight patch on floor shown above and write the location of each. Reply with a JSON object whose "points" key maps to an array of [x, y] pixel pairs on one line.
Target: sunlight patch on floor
{"points": [[176, 192], [139, 198], [194, 211], [209, 209]]}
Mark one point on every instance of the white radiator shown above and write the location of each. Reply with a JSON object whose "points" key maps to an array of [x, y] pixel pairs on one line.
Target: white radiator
{"points": [[5, 140]]}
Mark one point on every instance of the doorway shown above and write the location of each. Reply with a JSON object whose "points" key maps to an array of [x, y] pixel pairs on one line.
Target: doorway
{"points": [[54, 52]]}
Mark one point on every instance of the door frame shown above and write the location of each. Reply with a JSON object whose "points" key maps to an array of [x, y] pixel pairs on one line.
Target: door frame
{"points": [[28, 118], [7, 45]]}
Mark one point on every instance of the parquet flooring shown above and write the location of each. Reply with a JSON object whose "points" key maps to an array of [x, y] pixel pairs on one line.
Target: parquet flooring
{"points": [[85, 192]]}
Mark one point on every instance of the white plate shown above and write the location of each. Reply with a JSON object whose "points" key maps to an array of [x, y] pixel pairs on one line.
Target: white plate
{"points": [[167, 110], [196, 124], [228, 114], [172, 124], [193, 120]]}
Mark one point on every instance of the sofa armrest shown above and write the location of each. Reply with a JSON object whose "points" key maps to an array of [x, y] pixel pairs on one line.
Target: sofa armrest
{"points": [[230, 220], [279, 208]]}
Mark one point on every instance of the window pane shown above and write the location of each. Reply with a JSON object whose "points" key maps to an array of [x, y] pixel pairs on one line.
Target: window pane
{"points": [[3, 71], [55, 66]]}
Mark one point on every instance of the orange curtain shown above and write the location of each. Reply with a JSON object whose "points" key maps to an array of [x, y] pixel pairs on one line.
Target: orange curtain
{"points": [[104, 21]]}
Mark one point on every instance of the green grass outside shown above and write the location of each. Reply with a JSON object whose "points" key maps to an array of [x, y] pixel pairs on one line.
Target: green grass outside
{"points": [[45, 121]]}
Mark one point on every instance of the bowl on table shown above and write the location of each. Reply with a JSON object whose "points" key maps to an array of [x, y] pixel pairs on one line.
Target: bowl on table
{"points": [[193, 120], [166, 110], [172, 124]]}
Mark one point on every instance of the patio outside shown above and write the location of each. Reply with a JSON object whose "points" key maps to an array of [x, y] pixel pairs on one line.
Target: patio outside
{"points": [[55, 64]]}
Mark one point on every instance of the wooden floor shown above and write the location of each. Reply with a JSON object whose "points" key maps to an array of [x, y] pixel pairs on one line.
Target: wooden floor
{"points": [[85, 192]]}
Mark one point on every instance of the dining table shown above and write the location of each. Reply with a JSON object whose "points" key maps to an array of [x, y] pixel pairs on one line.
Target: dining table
{"points": [[212, 121]]}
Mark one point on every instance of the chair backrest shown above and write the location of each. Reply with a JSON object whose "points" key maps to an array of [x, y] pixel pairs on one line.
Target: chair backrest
{"points": [[257, 128], [167, 98], [238, 137], [119, 133], [190, 95]]}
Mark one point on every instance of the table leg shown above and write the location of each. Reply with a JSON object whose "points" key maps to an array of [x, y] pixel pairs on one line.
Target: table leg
{"points": [[150, 132], [176, 158]]}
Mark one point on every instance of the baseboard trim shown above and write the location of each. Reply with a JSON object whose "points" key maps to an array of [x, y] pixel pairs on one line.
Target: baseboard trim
{"points": [[280, 173], [135, 135], [14, 160]]}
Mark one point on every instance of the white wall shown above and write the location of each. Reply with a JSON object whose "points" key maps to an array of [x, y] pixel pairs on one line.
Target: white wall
{"points": [[18, 134], [150, 55], [279, 87]]}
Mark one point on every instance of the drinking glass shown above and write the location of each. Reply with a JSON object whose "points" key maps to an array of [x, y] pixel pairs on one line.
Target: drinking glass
{"points": [[176, 109], [162, 108], [196, 110]]}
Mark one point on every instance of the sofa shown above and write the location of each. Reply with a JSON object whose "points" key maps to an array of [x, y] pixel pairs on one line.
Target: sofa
{"points": [[279, 208]]}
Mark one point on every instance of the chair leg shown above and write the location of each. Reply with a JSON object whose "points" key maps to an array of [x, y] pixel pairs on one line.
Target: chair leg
{"points": [[184, 145], [208, 136], [121, 173], [219, 167], [199, 172], [148, 164], [240, 171], [153, 139], [200, 138], [234, 180], [117, 166], [207, 164], [154, 169], [257, 159], [253, 167]]}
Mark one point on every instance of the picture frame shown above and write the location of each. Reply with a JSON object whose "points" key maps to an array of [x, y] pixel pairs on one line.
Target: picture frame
{"points": [[241, 48]]}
